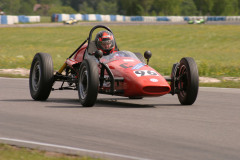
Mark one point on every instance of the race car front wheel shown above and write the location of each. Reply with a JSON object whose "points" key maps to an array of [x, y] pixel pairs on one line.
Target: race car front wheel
{"points": [[41, 76], [88, 82], [188, 83]]}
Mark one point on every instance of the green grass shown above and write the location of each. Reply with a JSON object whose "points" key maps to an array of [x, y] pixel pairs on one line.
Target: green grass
{"points": [[45, 19], [215, 48], [8, 152], [222, 84]]}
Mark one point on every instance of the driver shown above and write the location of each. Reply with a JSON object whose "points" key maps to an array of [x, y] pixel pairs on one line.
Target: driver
{"points": [[105, 42]]}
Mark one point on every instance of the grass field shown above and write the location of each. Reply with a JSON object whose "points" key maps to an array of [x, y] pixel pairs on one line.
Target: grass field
{"points": [[8, 152], [215, 48], [45, 19]]}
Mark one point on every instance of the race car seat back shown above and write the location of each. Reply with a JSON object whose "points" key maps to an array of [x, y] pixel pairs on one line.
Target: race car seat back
{"points": [[92, 47]]}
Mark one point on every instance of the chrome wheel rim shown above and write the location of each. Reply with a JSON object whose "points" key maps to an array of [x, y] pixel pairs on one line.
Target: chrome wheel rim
{"points": [[36, 76], [183, 81], [83, 83]]}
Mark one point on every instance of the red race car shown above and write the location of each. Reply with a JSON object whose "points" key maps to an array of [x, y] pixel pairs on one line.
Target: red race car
{"points": [[121, 73]]}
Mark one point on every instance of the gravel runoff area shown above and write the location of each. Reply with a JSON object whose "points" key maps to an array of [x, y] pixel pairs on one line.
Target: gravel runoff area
{"points": [[25, 72]]}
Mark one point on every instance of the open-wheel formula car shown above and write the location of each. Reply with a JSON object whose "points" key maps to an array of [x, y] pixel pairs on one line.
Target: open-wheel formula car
{"points": [[70, 21], [197, 21], [121, 73]]}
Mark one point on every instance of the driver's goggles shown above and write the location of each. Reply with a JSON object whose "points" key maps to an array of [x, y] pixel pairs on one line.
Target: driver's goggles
{"points": [[106, 42]]}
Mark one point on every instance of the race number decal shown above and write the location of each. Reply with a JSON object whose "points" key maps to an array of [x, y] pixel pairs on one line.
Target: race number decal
{"points": [[145, 73], [138, 66]]}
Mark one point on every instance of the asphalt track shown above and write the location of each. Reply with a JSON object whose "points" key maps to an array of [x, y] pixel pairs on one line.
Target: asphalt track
{"points": [[119, 128]]}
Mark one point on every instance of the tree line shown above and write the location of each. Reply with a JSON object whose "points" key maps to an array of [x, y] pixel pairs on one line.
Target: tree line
{"points": [[123, 7]]}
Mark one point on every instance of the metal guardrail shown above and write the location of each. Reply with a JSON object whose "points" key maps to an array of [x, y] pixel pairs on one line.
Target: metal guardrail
{"points": [[9, 19], [99, 17]]}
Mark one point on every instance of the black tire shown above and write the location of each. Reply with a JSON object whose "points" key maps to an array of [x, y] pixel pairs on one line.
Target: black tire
{"points": [[88, 82], [188, 81], [140, 57], [135, 97], [41, 76]]}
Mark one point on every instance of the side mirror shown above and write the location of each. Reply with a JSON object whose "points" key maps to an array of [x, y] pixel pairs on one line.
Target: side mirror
{"points": [[147, 55], [98, 54]]}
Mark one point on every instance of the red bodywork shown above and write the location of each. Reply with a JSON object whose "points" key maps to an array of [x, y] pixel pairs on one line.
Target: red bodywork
{"points": [[139, 78]]}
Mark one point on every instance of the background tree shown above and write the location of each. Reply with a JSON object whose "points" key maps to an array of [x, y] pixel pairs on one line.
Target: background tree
{"points": [[131, 7], [86, 9], [146, 5], [231, 8], [124, 7], [106, 7], [188, 8], [10, 6], [27, 6], [238, 7], [167, 7], [204, 6]]}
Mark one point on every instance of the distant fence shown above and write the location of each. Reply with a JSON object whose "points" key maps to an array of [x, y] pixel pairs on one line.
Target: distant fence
{"points": [[87, 17], [120, 18], [108, 18], [6, 19]]}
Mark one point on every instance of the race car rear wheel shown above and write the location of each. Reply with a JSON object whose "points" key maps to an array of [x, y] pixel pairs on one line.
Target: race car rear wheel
{"points": [[188, 83], [41, 76], [88, 82]]}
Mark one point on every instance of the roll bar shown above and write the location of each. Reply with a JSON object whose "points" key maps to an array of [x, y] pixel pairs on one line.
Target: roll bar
{"points": [[90, 38]]}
